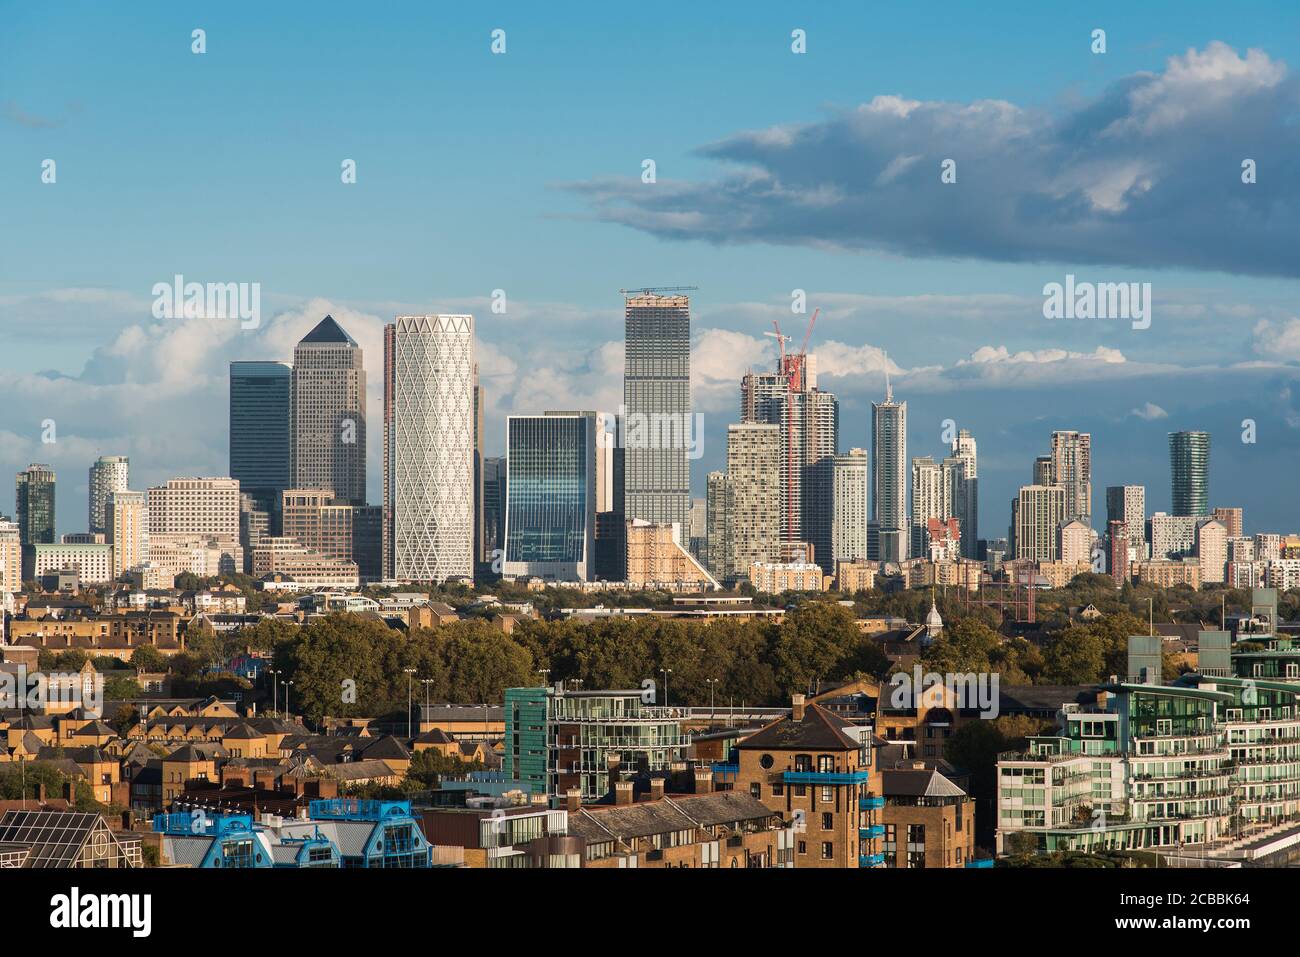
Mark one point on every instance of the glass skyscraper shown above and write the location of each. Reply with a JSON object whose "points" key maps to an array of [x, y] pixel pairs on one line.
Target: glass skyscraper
{"points": [[657, 408], [34, 505], [1189, 466], [328, 413], [551, 496], [889, 478], [259, 430]]}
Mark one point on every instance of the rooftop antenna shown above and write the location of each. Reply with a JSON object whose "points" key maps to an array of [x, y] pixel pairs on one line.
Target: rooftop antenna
{"points": [[889, 389]]}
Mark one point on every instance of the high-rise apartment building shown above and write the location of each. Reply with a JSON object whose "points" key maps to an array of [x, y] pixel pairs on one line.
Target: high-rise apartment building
{"points": [[1037, 514], [259, 429], [1043, 470], [1172, 536], [11, 558], [328, 413], [717, 538], [1118, 550], [1127, 504], [658, 427], [1189, 466], [127, 530], [889, 477], [849, 531], [753, 506], [930, 499], [1076, 542], [494, 508], [551, 496], [1072, 470], [109, 474], [964, 481], [1212, 550], [809, 420], [430, 448], [34, 504]]}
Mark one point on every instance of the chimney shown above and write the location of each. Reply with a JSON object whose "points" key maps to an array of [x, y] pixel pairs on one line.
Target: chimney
{"points": [[703, 781], [623, 792], [796, 707], [573, 800], [656, 788]]}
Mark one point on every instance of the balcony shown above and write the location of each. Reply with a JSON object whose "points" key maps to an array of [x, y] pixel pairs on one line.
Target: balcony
{"points": [[824, 777], [871, 804], [726, 769], [871, 833], [871, 860], [980, 862]]}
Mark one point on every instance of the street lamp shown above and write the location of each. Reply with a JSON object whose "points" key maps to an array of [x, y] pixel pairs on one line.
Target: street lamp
{"points": [[426, 682], [409, 672], [544, 672], [287, 713], [713, 682], [665, 672], [275, 690]]}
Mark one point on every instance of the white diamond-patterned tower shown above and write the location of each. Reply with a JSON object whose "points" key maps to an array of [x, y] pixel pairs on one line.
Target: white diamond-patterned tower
{"points": [[430, 448]]}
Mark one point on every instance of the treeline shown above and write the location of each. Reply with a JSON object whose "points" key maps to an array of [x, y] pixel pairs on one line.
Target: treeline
{"points": [[345, 665]]}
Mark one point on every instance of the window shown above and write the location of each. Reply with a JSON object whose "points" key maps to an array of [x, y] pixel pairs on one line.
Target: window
{"points": [[828, 794], [765, 762], [825, 763], [803, 847], [756, 790], [828, 821], [828, 850]]}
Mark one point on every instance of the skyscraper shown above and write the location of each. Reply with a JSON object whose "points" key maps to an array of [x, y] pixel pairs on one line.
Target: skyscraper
{"points": [[1036, 516], [494, 507], [109, 474], [929, 500], [965, 492], [1072, 470], [717, 539], [889, 476], [1189, 466], [34, 504], [1127, 504], [551, 496], [850, 481], [753, 508], [328, 413], [430, 448], [127, 530], [259, 430], [657, 424]]}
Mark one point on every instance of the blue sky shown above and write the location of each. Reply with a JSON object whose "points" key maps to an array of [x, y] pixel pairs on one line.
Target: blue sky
{"points": [[521, 172]]}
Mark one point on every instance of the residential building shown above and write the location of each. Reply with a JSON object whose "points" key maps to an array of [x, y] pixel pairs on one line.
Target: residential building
{"points": [[334, 528], [777, 577], [753, 519], [1076, 542], [93, 563], [1172, 536], [1072, 470], [1231, 520], [965, 490], [1036, 515], [1189, 467], [11, 558], [109, 474], [186, 510], [127, 529], [560, 739], [1127, 504], [849, 528], [889, 478], [1212, 551], [284, 558]]}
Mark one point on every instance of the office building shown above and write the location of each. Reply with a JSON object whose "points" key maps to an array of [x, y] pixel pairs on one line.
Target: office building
{"points": [[889, 478], [34, 504], [494, 508], [259, 429], [334, 528], [430, 448], [551, 496], [850, 480], [109, 474], [1189, 467], [189, 511], [658, 428], [328, 413], [92, 563]]}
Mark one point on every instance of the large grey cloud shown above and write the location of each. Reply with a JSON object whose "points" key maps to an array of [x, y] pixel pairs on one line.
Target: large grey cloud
{"points": [[1147, 173]]}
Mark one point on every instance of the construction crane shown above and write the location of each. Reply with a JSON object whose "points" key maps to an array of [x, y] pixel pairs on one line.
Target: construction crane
{"points": [[656, 290], [791, 368]]}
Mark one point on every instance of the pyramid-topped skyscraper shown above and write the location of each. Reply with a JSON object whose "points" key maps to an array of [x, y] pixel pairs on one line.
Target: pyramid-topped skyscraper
{"points": [[328, 413]]}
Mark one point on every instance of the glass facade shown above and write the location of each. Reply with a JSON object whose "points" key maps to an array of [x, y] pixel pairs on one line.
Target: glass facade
{"points": [[551, 496], [259, 430], [1189, 464]]}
